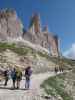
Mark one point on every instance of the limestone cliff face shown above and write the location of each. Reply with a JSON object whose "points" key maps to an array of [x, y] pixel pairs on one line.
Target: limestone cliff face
{"points": [[10, 24], [44, 38], [11, 28]]}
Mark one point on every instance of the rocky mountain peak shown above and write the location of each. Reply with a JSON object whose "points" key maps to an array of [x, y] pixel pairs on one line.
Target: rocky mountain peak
{"points": [[10, 24]]}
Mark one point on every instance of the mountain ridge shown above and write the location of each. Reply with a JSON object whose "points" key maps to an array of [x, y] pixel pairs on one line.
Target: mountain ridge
{"points": [[12, 28]]}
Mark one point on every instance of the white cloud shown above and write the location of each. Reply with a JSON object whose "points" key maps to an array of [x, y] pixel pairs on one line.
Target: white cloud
{"points": [[70, 53]]}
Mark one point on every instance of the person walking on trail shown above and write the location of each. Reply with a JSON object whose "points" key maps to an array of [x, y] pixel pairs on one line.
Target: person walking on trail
{"points": [[18, 77], [28, 73], [6, 77], [56, 69], [60, 68], [13, 76]]}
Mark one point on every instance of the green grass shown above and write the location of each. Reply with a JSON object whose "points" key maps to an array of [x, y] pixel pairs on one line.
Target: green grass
{"points": [[21, 50], [14, 48], [56, 86], [43, 54]]}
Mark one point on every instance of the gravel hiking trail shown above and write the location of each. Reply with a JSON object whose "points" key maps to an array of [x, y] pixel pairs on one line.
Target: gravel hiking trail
{"points": [[34, 93]]}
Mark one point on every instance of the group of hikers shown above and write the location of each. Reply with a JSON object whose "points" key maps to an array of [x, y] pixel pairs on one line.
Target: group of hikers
{"points": [[16, 75], [58, 69]]}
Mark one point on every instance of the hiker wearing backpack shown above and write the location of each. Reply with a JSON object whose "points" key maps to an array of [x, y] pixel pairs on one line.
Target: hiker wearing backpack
{"points": [[6, 77], [13, 76], [18, 77], [28, 73]]}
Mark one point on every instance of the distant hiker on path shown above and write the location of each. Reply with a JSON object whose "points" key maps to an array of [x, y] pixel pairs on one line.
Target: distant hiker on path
{"points": [[56, 69], [28, 73], [60, 68]]}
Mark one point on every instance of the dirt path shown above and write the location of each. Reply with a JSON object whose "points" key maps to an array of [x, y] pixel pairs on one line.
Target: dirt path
{"points": [[33, 94]]}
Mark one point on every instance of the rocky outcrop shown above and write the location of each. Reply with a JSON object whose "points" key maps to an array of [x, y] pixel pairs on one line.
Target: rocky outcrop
{"points": [[11, 28], [10, 25], [44, 38]]}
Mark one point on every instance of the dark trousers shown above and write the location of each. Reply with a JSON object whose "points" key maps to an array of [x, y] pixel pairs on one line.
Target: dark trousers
{"points": [[14, 81], [6, 80]]}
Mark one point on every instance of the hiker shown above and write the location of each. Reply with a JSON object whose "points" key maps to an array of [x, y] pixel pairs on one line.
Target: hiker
{"points": [[56, 69], [18, 77], [13, 76], [28, 73], [61, 69], [6, 77]]}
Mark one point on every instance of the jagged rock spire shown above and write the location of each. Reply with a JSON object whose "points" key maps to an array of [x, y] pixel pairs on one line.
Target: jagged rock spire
{"points": [[35, 23]]}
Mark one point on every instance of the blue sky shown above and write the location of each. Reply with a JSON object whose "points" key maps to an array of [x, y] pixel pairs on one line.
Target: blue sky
{"points": [[59, 15]]}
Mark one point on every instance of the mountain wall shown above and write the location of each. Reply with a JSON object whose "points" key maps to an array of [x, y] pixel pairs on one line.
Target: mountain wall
{"points": [[10, 25], [12, 28]]}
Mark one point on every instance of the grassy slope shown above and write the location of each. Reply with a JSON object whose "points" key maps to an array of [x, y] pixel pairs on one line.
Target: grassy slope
{"points": [[55, 86], [25, 50], [13, 47]]}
